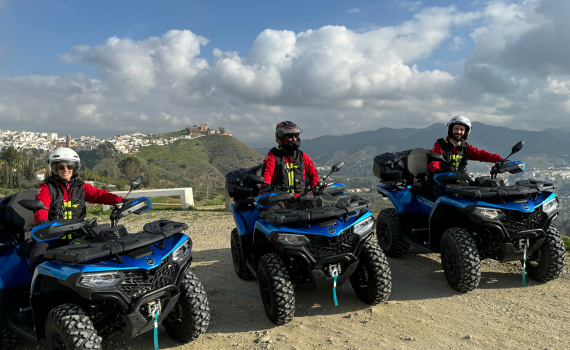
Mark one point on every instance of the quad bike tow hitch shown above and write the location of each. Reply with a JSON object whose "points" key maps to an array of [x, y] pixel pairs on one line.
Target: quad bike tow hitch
{"points": [[524, 243], [334, 270], [154, 309]]}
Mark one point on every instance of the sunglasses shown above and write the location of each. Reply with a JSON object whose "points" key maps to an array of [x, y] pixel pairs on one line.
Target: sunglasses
{"points": [[65, 166]]}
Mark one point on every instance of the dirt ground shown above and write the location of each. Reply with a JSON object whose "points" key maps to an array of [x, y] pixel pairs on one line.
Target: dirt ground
{"points": [[423, 312]]}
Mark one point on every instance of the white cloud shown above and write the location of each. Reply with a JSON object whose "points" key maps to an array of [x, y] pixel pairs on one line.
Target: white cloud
{"points": [[354, 10], [330, 80], [456, 43]]}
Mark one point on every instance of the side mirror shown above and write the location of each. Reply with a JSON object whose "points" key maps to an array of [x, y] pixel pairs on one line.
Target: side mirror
{"points": [[256, 179], [32, 204], [136, 182], [517, 147], [337, 167], [435, 156]]}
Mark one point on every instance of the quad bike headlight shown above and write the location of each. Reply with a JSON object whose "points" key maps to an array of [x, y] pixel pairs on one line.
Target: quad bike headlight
{"points": [[286, 238], [550, 205], [99, 280], [364, 226], [488, 213], [181, 251]]}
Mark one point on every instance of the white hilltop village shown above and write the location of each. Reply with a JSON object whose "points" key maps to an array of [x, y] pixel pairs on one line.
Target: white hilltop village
{"points": [[126, 144]]}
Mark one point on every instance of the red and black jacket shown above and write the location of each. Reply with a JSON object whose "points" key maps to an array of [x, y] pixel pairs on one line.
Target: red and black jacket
{"points": [[459, 155], [67, 201], [289, 169]]}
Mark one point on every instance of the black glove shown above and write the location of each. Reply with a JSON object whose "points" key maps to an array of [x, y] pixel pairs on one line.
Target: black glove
{"points": [[500, 163], [42, 222], [439, 171]]}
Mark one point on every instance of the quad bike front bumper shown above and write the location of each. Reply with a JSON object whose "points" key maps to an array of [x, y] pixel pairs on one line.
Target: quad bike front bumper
{"points": [[516, 245], [139, 320], [321, 276], [319, 271]]}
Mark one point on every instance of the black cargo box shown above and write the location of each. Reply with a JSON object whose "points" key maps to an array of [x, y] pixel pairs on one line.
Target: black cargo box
{"points": [[386, 166], [406, 165], [238, 186]]}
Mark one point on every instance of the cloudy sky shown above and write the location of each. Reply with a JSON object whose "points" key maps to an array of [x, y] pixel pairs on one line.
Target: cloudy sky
{"points": [[334, 67]]}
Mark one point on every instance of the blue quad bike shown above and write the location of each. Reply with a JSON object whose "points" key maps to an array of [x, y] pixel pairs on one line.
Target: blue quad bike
{"points": [[105, 282], [306, 242], [470, 220]]}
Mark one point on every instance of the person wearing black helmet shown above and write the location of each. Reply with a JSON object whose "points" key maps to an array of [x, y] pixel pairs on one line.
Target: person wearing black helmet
{"points": [[286, 164], [456, 151]]}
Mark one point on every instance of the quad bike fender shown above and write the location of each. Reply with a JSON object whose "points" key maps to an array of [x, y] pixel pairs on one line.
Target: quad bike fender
{"points": [[403, 200], [245, 219], [446, 214], [14, 270]]}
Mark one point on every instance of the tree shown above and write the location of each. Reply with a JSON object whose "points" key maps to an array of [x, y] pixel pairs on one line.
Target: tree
{"points": [[105, 150], [130, 167], [11, 156], [85, 173]]}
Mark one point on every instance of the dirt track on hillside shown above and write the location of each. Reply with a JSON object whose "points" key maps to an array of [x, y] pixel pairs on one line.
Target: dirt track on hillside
{"points": [[423, 312]]}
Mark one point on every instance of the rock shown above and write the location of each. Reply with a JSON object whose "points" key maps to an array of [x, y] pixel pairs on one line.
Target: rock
{"points": [[263, 339], [371, 311], [409, 339], [348, 316], [468, 337], [265, 332]]}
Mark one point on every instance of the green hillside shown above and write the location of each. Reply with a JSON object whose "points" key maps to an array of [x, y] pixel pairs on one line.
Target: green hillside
{"points": [[200, 163]]}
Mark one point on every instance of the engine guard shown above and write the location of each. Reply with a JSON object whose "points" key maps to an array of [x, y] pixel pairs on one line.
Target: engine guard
{"points": [[138, 323]]}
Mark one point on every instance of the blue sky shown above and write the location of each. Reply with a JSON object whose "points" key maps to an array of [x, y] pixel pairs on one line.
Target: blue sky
{"points": [[340, 67], [34, 33]]}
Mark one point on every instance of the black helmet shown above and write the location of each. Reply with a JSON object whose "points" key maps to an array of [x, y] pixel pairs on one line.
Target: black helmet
{"points": [[285, 128]]}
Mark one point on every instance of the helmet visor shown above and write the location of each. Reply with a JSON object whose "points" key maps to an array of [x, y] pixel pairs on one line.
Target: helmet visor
{"points": [[291, 130]]}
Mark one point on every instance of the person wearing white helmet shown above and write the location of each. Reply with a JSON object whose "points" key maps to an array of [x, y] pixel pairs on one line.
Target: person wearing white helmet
{"points": [[456, 150], [64, 194]]}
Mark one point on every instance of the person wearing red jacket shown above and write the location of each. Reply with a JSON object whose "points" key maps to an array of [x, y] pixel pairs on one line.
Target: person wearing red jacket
{"points": [[64, 194], [456, 151], [286, 165]]}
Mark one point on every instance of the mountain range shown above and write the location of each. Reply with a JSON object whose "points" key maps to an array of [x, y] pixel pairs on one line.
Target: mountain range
{"points": [[547, 148]]}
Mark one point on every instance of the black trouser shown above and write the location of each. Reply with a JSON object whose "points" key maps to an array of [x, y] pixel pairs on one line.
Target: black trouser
{"points": [[40, 248]]}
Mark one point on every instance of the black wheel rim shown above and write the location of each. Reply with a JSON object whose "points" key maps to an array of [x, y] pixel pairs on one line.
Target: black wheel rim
{"points": [[384, 234], [534, 258], [265, 291], [176, 315], [57, 341], [450, 262]]}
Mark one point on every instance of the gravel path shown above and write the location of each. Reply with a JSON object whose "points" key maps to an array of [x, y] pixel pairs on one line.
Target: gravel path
{"points": [[423, 312]]}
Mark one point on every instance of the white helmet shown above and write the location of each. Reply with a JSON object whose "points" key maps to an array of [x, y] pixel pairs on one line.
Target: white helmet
{"points": [[459, 120], [64, 155]]}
